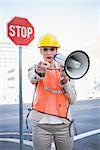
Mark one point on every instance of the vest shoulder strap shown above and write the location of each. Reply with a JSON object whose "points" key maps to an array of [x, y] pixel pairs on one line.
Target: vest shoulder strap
{"points": [[30, 109]]}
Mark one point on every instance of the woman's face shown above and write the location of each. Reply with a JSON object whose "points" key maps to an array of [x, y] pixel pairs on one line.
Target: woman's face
{"points": [[48, 53]]}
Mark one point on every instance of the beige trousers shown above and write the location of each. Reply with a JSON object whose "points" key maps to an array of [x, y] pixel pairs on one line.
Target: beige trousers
{"points": [[44, 134]]}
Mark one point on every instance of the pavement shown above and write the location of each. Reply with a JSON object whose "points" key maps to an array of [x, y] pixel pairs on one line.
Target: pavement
{"points": [[89, 143], [87, 121]]}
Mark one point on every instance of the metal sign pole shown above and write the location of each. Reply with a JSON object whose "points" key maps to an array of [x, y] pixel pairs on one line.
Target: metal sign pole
{"points": [[20, 99], [20, 38]]}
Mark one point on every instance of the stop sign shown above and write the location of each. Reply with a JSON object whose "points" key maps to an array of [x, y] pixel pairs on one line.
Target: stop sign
{"points": [[20, 31]]}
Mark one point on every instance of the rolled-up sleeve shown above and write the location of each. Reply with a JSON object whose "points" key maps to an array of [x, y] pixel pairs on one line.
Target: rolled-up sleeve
{"points": [[33, 76]]}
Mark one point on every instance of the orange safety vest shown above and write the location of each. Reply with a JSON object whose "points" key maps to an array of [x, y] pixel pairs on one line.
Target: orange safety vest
{"points": [[49, 97]]}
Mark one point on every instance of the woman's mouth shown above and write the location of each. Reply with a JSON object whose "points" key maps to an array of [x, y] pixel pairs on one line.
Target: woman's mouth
{"points": [[49, 57]]}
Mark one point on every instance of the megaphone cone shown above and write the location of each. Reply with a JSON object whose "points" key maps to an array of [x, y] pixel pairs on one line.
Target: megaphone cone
{"points": [[76, 64]]}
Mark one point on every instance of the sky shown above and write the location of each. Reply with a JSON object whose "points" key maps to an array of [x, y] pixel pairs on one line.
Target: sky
{"points": [[68, 20], [76, 24]]}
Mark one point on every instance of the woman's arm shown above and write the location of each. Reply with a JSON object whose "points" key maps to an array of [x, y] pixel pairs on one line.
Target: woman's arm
{"points": [[33, 76], [69, 89]]}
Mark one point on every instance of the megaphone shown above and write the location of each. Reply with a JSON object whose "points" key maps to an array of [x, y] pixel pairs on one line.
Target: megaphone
{"points": [[76, 65]]}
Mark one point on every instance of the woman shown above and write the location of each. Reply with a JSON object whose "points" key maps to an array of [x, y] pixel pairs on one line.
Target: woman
{"points": [[55, 92]]}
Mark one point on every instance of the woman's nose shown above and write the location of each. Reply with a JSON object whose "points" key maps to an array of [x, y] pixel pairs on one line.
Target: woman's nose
{"points": [[49, 52]]}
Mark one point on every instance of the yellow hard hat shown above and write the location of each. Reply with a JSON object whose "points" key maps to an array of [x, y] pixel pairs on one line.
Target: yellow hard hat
{"points": [[48, 40]]}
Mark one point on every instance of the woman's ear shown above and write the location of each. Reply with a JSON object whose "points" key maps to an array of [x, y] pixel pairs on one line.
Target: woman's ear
{"points": [[56, 49]]}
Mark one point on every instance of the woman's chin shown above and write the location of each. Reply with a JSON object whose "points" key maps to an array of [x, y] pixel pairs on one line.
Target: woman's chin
{"points": [[49, 60]]}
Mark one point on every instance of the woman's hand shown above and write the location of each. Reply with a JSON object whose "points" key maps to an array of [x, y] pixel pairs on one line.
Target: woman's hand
{"points": [[64, 77], [41, 67]]}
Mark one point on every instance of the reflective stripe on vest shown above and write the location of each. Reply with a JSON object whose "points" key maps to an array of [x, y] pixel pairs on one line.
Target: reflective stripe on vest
{"points": [[52, 91]]}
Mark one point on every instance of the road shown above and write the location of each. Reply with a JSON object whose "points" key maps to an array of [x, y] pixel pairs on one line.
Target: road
{"points": [[87, 121]]}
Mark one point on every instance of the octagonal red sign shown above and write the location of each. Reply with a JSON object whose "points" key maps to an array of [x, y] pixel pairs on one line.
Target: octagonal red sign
{"points": [[20, 31]]}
